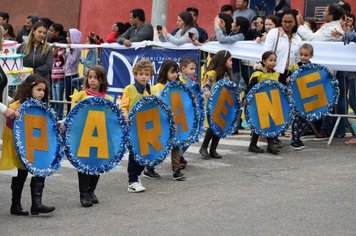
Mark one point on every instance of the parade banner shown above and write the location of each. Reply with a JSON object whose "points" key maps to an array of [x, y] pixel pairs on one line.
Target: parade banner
{"points": [[183, 104], [269, 108], [119, 63], [96, 135], [315, 91], [152, 131], [223, 108], [37, 138]]}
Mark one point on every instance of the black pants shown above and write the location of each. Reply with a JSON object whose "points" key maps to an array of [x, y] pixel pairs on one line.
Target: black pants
{"points": [[133, 169]]}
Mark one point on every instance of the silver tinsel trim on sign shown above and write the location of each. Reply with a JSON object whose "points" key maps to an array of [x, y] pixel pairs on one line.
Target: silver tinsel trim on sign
{"points": [[20, 146], [115, 160]]}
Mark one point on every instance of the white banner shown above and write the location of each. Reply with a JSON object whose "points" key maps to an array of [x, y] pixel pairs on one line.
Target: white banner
{"points": [[334, 55]]}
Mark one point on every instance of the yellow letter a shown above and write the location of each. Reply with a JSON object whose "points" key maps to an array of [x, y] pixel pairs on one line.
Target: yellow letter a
{"points": [[178, 111], [95, 121]]}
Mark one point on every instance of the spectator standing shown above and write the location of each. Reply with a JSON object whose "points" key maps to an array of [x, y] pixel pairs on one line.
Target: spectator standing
{"points": [[24, 32], [243, 10], [4, 18], [38, 53]]}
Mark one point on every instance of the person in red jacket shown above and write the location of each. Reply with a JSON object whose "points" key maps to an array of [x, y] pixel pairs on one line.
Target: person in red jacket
{"points": [[117, 29]]}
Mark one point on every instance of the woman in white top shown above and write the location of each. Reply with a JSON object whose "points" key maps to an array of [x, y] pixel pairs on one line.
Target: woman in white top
{"points": [[285, 42], [185, 24]]}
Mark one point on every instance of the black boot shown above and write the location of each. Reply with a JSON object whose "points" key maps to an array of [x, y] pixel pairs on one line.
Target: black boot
{"points": [[253, 144], [85, 197], [17, 186], [204, 146], [92, 186], [214, 144], [37, 185], [271, 148]]}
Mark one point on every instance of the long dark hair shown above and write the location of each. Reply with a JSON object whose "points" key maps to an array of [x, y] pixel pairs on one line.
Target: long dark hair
{"points": [[24, 91], [218, 63], [188, 21], [163, 71], [228, 21], [28, 44], [265, 56], [101, 75]]}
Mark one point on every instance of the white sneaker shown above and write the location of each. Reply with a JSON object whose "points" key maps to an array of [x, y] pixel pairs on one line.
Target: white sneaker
{"points": [[136, 187]]}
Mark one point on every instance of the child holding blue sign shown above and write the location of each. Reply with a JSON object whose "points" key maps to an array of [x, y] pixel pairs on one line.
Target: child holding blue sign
{"points": [[219, 68], [263, 71], [36, 87], [169, 73], [306, 52], [187, 67], [143, 71], [95, 85]]}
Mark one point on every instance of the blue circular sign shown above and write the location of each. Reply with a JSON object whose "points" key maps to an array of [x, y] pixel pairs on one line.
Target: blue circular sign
{"points": [[96, 135], [223, 108], [314, 91], [269, 108], [37, 138], [187, 115], [152, 131]]}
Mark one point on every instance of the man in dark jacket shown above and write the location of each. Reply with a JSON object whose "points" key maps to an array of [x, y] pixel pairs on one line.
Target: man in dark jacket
{"points": [[22, 35]]}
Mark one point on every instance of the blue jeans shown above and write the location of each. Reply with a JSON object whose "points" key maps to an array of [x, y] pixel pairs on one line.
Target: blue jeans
{"points": [[77, 83], [57, 94]]}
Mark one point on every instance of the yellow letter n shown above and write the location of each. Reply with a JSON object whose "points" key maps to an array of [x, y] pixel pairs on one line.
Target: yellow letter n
{"points": [[267, 108], [221, 107], [36, 135], [317, 90], [94, 135], [178, 111], [149, 135]]}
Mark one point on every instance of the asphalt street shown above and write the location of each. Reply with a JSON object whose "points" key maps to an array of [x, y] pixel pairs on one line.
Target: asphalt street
{"points": [[307, 192]]}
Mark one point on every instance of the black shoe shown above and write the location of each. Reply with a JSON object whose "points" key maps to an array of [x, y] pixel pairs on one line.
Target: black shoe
{"points": [[204, 152], [85, 200], [93, 198], [16, 209], [301, 144], [255, 149], [177, 175], [295, 146], [272, 150], [151, 174], [214, 154]]}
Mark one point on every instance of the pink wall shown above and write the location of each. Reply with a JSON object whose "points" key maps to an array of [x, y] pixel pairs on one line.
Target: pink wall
{"points": [[98, 16]]}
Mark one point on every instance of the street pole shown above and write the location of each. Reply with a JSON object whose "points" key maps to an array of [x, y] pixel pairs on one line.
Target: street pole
{"points": [[159, 15]]}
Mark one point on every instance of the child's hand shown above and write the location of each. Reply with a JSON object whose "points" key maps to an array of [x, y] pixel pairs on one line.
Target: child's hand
{"points": [[68, 45], [127, 119], [207, 94], [62, 128], [288, 79]]}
